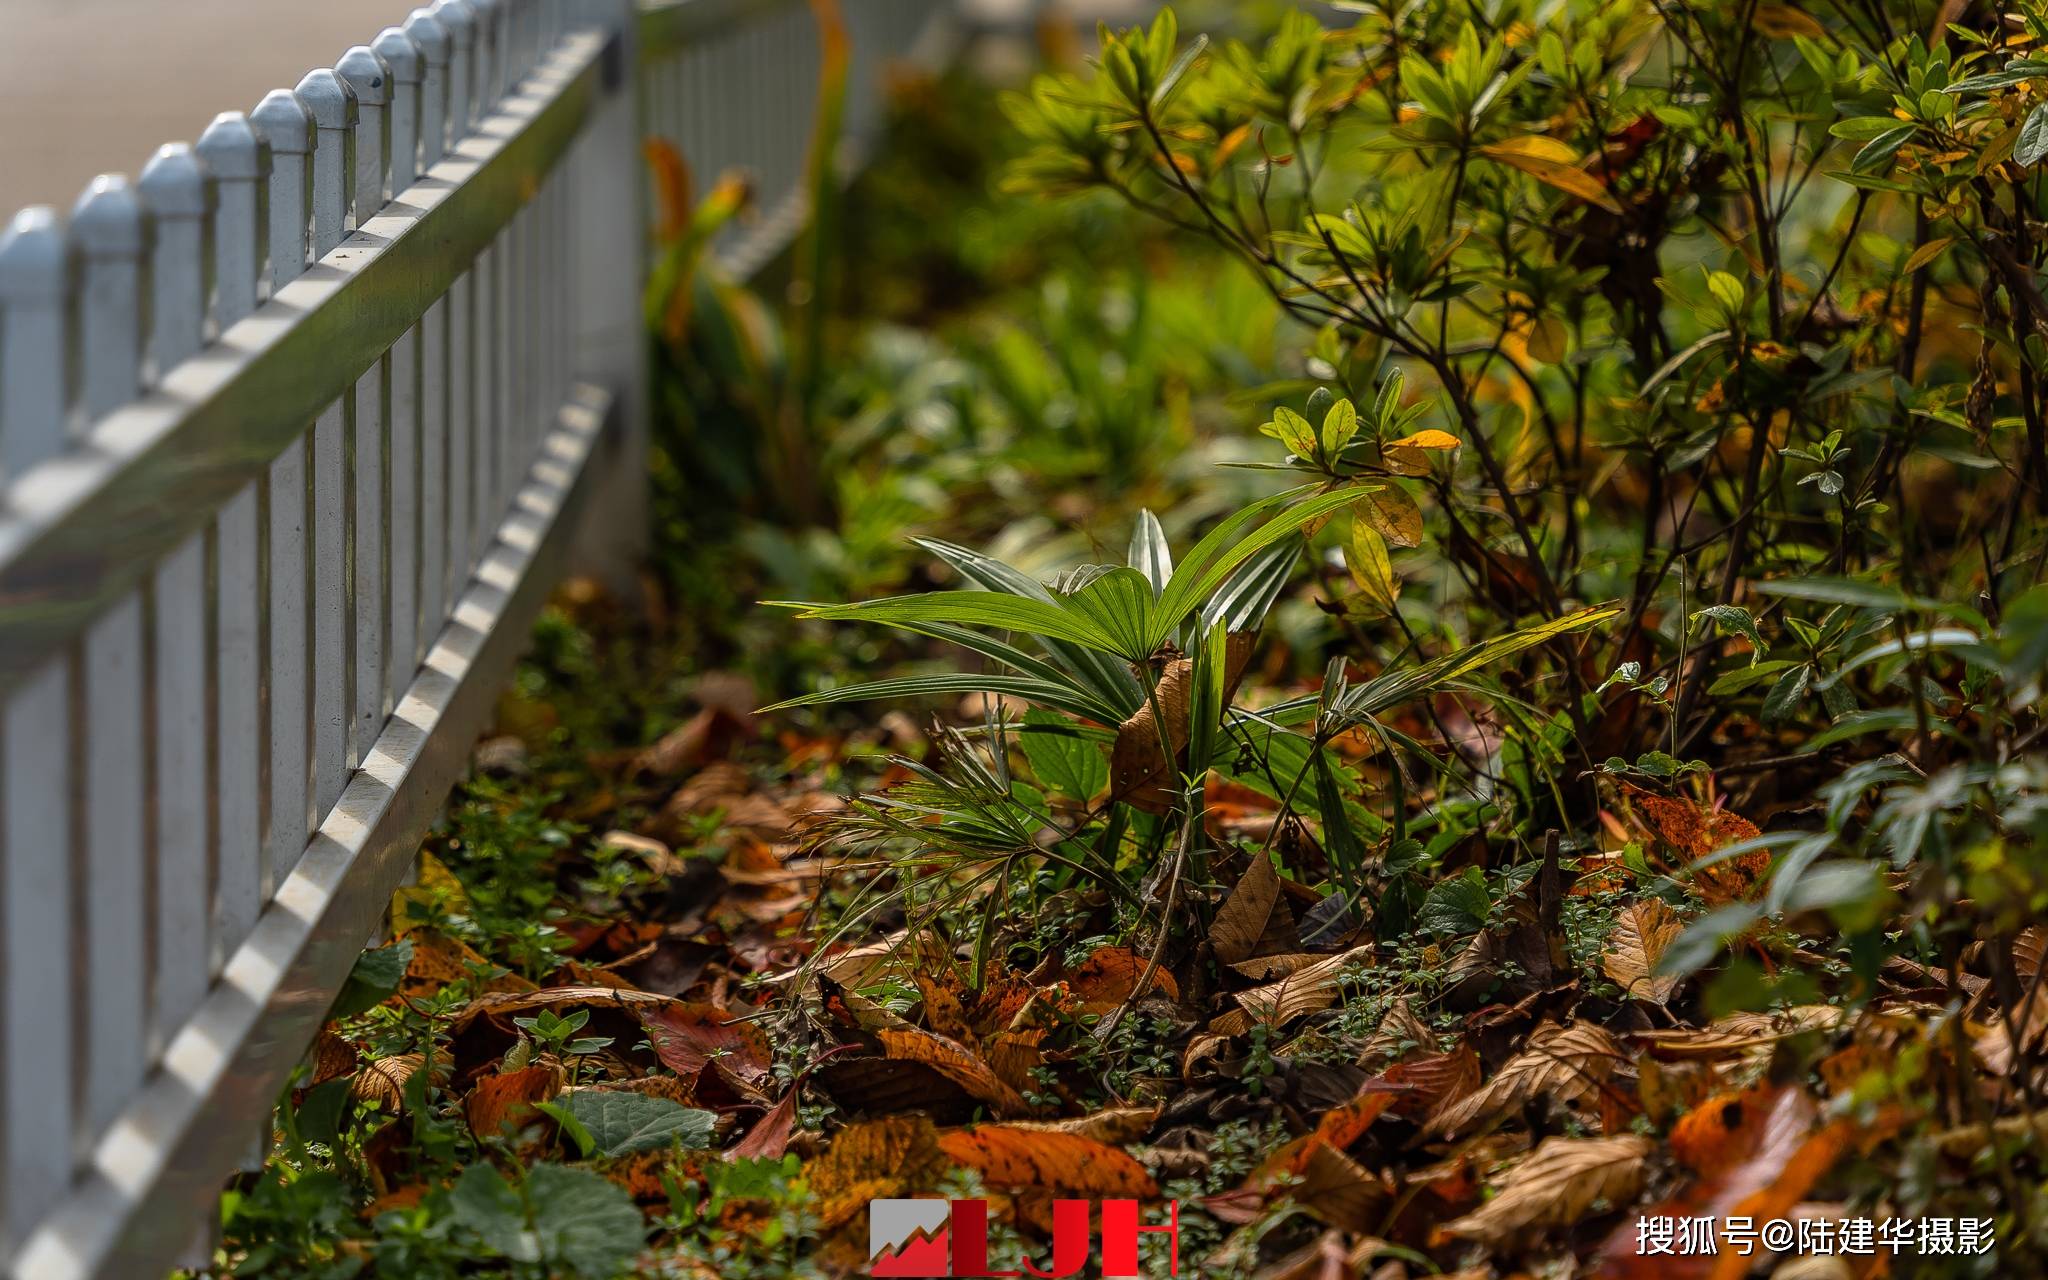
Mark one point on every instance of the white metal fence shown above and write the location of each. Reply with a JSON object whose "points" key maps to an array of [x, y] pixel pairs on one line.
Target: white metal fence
{"points": [[297, 429]]}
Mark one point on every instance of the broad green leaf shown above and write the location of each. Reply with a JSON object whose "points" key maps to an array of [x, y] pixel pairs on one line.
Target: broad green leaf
{"points": [[1119, 605], [485, 1204], [1339, 425], [1968, 644], [375, 976], [584, 1221], [1878, 153], [1062, 758], [1786, 692], [1292, 430], [1456, 906], [1733, 617], [622, 1122], [2033, 143]]}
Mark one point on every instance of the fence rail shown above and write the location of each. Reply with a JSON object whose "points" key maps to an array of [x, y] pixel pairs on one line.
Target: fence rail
{"points": [[297, 430]]}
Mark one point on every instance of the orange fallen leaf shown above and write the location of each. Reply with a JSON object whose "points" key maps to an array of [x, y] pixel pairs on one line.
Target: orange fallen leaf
{"points": [[1019, 1159]]}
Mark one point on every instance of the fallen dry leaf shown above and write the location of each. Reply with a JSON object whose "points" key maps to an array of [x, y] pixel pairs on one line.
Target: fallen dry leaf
{"points": [[1643, 932], [1019, 1159], [1572, 1063], [956, 1062], [1562, 1183], [1109, 976], [1242, 920], [505, 1102]]}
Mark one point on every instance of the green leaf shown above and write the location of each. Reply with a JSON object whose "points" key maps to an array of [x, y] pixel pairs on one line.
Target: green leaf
{"points": [[584, 1221], [1456, 906], [1227, 546], [1846, 591], [1058, 695], [1242, 602], [1169, 83], [489, 1207], [1733, 617], [1879, 152], [1119, 605], [622, 1122], [2033, 143], [1785, 694], [1104, 675], [374, 978], [1292, 430], [579, 1133], [1703, 939], [1149, 553], [1339, 425], [968, 608], [1061, 757]]}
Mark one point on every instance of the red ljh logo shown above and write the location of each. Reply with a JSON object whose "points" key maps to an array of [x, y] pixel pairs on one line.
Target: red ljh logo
{"points": [[934, 1238]]}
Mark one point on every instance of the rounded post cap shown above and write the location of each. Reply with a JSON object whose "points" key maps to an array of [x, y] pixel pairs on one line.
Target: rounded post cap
{"points": [[232, 149], [284, 121], [173, 183], [428, 33], [32, 256], [366, 74], [107, 220], [459, 17], [329, 99], [401, 55]]}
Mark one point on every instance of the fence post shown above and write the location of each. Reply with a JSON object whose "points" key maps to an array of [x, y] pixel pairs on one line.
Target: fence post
{"points": [[108, 227], [36, 761], [287, 123], [335, 114], [176, 190], [369, 77], [239, 160], [402, 558], [607, 254]]}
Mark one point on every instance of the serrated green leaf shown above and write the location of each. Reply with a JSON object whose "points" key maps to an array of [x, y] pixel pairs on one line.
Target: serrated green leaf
{"points": [[584, 1221], [622, 1122], [1456, 906]]}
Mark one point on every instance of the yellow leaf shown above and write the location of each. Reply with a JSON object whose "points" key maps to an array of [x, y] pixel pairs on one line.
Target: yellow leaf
{"points": [[437, 893], [1542, 162], [1430, 439], [1925, 254], [1784, 21], [1534, 146], [1394, 515], [1371, 568], [1547, 340]]}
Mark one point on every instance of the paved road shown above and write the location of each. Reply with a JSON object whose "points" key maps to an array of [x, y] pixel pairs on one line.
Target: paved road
{"points": [[93, 86]]}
